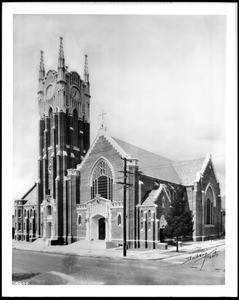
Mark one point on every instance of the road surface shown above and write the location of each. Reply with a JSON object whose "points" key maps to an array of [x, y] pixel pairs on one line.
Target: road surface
{"points": [[183, 269]]}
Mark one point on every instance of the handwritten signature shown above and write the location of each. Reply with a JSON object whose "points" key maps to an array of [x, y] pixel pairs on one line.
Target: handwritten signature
{"points": [[202, 256]]}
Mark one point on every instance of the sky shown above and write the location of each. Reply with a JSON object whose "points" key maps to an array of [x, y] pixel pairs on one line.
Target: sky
{"points": [[160, 79]]}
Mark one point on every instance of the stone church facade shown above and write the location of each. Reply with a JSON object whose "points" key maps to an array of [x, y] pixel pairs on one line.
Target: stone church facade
{"points": [[77, 196]]}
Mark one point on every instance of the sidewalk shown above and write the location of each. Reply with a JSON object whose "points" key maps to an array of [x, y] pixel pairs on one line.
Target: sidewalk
{"points": [[156, 254]]}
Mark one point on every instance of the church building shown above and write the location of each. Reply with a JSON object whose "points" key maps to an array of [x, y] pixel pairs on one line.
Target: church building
{"points": [[78, 195]]}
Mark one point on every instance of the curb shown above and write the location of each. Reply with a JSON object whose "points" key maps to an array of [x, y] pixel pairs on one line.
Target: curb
{"points": [[135, 256]]}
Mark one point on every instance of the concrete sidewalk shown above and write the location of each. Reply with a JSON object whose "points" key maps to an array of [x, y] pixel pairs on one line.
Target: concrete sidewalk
{"points": [[80, 249]]}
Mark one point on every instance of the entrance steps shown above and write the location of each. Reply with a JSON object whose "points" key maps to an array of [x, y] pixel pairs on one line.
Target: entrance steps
{"points": [[95, 244], [38, 241], [81, 244]]}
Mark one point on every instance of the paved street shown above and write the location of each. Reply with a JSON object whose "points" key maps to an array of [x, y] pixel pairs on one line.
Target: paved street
{"points": [[198, 267]]}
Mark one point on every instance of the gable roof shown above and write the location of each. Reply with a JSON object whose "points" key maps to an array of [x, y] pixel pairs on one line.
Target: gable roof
{"points": [[150, 163], [188, 170], [31, 197], [154, 165], [154, 194]]}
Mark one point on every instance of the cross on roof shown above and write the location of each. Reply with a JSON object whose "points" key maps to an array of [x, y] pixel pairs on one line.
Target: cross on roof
{"points": [[102, 118]]}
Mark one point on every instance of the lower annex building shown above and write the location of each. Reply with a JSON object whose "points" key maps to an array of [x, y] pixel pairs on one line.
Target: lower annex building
{"points": [[77, 196]]}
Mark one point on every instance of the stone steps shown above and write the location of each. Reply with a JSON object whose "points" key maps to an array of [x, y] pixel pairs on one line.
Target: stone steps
{"points": [[83, 244]]}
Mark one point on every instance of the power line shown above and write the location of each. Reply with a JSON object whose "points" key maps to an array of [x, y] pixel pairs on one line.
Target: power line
{"points": [[125, 185]]}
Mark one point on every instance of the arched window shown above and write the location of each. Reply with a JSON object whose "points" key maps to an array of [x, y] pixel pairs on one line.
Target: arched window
{"points": [[149, 225], [19, 213], [209, 207], [68, 136], [208, 212], [79, 220], [48, 210], [141, 225], [50, 127], [119, 219], [163, 202], [102, 182], [56, 126], [149, 213], [75, 127], [142, 214]]}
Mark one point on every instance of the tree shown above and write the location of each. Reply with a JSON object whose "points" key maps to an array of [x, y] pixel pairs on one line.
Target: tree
{"points": [[179, 217]]}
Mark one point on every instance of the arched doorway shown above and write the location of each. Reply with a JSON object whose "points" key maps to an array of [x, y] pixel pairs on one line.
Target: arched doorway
{"points": [[101, 235], [98, 228], [161, 235], [48, 230]]}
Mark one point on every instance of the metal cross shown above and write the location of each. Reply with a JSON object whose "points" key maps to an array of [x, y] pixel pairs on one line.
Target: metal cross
{"points": [[102, 120]]}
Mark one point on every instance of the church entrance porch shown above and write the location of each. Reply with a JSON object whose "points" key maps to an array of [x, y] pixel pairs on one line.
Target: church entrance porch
{"points": [[98, 228], [98, 219]]}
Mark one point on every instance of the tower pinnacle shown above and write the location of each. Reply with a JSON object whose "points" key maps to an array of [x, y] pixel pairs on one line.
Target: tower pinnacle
{"points": [[41, 73], [61, 62], [41, 67], [86, 72], [61, 59]]}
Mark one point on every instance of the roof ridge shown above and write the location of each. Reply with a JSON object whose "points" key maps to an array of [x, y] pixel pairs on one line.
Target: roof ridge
{"points": [[188, 160], [116, 139]]}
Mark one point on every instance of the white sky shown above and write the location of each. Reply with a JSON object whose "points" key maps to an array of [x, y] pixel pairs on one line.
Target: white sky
{"points": [[159, 78]]}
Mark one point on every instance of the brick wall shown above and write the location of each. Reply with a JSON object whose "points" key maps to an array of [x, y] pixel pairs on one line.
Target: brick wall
{"points": [[104, 149]]}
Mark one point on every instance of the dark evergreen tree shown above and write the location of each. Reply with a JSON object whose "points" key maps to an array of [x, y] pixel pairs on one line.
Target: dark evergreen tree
{"points": [[179, 217]]}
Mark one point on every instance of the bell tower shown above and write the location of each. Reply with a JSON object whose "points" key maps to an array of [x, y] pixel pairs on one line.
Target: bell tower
{"points": [[64, 139]]}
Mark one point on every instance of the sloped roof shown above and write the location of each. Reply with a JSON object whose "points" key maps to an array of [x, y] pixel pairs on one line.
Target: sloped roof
{"points": [[31, 197], [151, 164], [154, 194], [188, 169], [154, 165], [152, 197]]}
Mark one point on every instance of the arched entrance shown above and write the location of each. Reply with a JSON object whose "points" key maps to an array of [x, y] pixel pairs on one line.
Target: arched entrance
{"points": [[101, 235], [48, 230], [161, 235], [98, 227]]}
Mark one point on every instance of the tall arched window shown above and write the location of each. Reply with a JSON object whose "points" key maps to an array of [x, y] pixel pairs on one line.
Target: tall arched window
{"points": [[79, 220], [68, 136], [119, 219], [49, 210], [75, 127], [102, 182], [209, 207], [141, 214], [50, 127], [56, 126]]}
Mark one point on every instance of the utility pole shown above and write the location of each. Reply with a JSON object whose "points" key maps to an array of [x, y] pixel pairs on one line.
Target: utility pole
{"points": [[125, 184], [124, 210]]}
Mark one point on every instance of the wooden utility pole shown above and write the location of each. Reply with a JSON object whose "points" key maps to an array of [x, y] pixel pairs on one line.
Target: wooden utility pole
{"points": [[124, 210], [125, 184]]}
